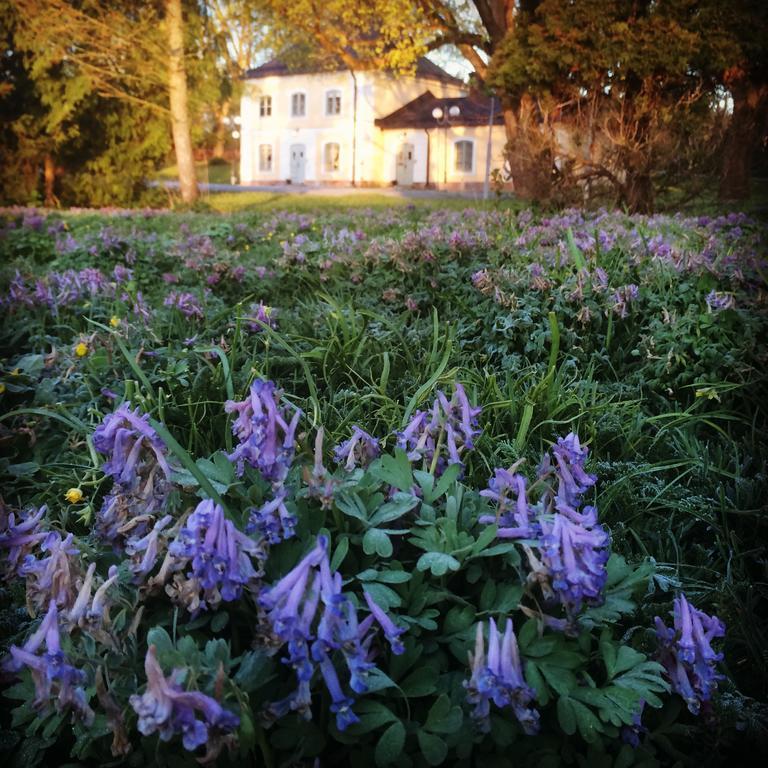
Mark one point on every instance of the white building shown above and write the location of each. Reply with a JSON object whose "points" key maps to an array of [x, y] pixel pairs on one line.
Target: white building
{"points": [[368, 128]]}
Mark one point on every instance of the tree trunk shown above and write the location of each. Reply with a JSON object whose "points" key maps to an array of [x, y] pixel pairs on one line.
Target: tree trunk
{"points": [[49, 178], [177, 87], [638, 193], [221, 128], [746, 129]]}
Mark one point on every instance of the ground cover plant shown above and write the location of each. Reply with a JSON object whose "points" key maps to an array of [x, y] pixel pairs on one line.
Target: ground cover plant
{"points": [[393, 487]]}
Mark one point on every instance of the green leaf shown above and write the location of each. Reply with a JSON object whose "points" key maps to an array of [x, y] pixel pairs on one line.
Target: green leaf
{"points": [[387, 577], [438, 562], [421, 682], [589, 726], [219, 621], [458, 619], [377, 541], [340, 553], [484, 539], [447, 479], [158, 637], [566, 716], [390, 744], [351, 504], [383, 596], [394, 470], [400, 504], [255, 671], [373, 714], [433, 748], [442, 717]]}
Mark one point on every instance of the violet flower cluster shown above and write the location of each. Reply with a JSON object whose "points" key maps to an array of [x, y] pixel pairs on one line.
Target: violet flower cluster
{"points": [[218, 558], [498, 678], [51, 576], [51, 674], [264, 432], [137, 461], [166, 708], [441, 436], [685, 651], [307, 614], [262, 313], [20, 538], [567, 548], [187, 303]]}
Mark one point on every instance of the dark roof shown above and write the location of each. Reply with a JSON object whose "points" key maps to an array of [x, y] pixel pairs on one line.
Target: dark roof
{"points": [[475, 110], [424, 68]]}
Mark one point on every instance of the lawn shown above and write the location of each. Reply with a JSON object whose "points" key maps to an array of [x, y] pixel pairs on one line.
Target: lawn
{"points": [[302, 453]]}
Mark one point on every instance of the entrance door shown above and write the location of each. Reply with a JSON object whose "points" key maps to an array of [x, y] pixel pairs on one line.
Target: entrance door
{"points": [[298, 152], [405, 161]]}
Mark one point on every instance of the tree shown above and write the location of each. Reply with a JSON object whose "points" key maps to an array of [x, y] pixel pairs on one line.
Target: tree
{"points": [[177, 90], [118, 51]]}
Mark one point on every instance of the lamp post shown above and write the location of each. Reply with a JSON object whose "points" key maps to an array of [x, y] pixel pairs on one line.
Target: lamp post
{"points": [[444, 117]]}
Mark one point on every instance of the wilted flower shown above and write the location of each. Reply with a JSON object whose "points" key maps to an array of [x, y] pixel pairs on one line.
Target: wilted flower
{"points": [[686, 652], [51, 674], [360, 450], [51, 577], [137, 460], [165, 707], [623, 297], [717, 301], [265, 436], [21, 537], [499, 678]]}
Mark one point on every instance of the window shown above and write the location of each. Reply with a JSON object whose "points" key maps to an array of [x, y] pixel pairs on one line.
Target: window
{"points": [[298, 104], [265, 157], [265, 106], [333, 103], [331, 158], [463, 150]]}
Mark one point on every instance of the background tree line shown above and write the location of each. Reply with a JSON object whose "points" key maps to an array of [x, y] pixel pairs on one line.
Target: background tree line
{"points": [[606, 99]]}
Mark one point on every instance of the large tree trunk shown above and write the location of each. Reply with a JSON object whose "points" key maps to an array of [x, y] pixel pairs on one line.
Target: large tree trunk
{"points": [[49, 178], [177, 86], [746, 129], [222, 113], [638, 192]]}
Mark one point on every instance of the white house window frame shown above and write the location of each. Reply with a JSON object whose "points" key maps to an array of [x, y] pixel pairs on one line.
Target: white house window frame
{"points": [[299, 97], [331, 164], [265, 106], [266, 159], [333, 102], [460, 156]]}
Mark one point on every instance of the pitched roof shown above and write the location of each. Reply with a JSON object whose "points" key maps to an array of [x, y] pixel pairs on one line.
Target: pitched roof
{"points": [[424, 68], [474, 110]]}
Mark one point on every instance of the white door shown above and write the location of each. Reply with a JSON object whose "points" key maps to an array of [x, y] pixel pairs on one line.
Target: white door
{"points": [[405, 161], [298, 153]]}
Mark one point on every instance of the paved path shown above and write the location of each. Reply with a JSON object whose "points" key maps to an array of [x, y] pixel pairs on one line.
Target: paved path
{"points": [[334, 191]]}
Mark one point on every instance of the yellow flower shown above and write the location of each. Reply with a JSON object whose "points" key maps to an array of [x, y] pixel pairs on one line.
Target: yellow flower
{"points": [[15, 372], [114, 321], [2, 388], [74, 495], [81, 350]]}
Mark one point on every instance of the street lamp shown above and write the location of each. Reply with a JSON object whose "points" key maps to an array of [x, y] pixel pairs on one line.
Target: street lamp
{"points": [[444, 117]]}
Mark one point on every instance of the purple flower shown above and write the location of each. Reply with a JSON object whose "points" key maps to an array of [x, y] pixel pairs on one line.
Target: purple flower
{"points": [[137, 461], [187, 303], [685, 651], [265, 436], [272, 521], [51, 673], [717, 301], [391, 631], [624, 296], [218, 554], [263, 314], [20, 538], [499, 679], [165, 707], [514, 515], [361, 449], [145, 550], [449, 428], [51, 578]]}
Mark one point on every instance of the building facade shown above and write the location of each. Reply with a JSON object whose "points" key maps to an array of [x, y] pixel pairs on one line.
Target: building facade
{"points": [[366, 128]]}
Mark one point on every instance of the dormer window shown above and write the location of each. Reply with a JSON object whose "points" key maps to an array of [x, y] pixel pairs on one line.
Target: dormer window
{"points": [[265, 106], [333, 103], [298, 104]]}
